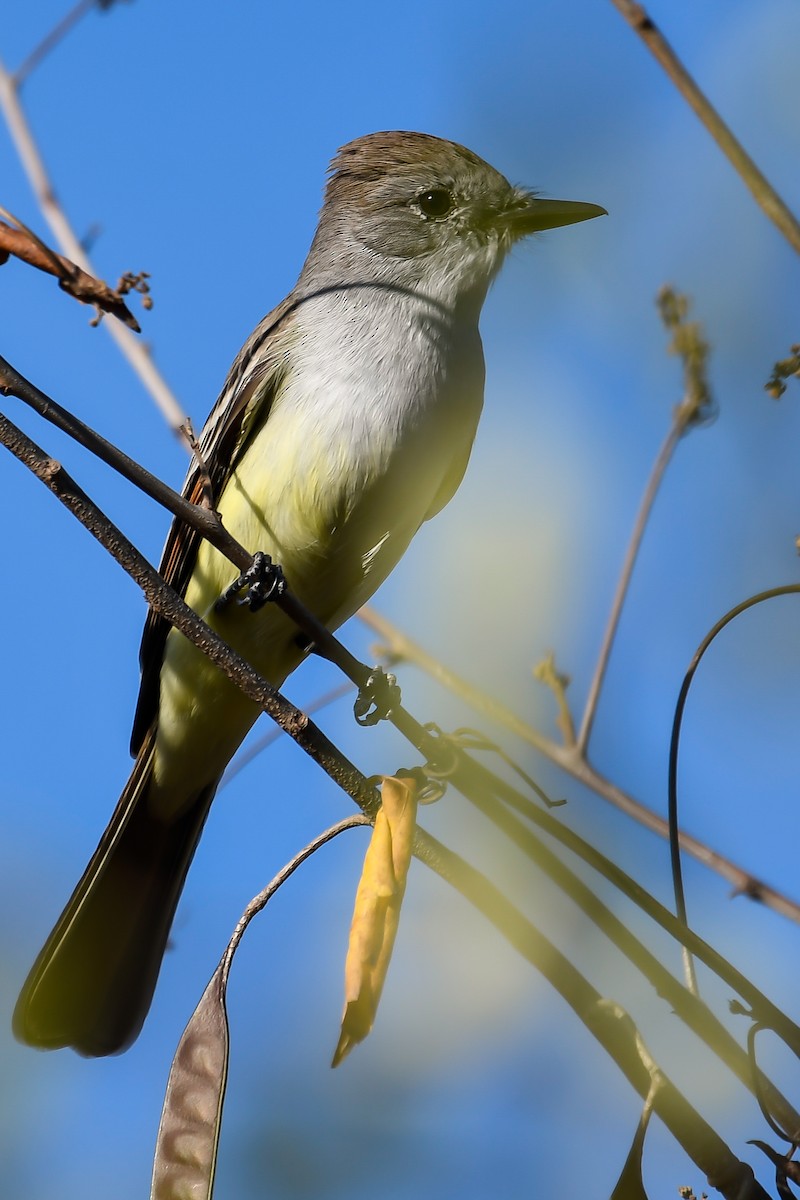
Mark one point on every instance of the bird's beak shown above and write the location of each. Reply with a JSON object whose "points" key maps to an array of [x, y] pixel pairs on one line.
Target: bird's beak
{"points": [[531, 214]]}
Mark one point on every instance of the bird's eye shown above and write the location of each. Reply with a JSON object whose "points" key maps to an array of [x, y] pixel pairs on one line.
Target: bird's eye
{"points": [[435, 203]]}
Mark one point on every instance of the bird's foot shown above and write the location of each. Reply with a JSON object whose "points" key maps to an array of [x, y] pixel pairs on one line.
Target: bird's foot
{"points": [[263, 581], [376, 698]]}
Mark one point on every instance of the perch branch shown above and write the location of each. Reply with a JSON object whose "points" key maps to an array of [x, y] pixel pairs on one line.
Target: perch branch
{"points": [[25, 245]]}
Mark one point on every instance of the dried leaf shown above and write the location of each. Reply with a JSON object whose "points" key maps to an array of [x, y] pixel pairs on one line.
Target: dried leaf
{"points": [[376, 913], [188, 1136]]}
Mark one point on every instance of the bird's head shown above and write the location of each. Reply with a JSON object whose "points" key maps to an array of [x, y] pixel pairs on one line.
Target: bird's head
{"points": [[420, 211]]}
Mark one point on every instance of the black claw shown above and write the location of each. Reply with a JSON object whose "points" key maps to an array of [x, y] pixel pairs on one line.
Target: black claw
{"points": [[429, 791], [263, 581], [376, 698]]}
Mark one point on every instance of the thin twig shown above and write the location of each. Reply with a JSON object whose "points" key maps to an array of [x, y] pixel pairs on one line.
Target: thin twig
{"points": [[164, 600], [27, 246], [674, 827], [134, 351], [259, 902], [51, 40], [643, 516], [687, 343], [204, 520], [403, 647], [210, 526], [761, 189]]}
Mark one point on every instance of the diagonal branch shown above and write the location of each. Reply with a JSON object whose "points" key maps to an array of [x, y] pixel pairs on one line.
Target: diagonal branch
{"points": [[689, 344], [699, 1139], [606, 1021], [210, 526], [760, 187], [744, 882], [653, 484], [170, 605], [135, 352], [26, 246], [56, 34]]}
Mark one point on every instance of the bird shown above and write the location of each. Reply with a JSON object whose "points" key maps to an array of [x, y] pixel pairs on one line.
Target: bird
{"points": [[346, 421]]}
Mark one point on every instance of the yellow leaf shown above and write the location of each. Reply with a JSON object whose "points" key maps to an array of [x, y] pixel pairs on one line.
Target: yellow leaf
{"points": [[376, 913]]}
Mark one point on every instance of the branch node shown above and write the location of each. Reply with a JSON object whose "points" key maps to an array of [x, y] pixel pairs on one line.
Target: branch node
{"points": [[546, 673]]}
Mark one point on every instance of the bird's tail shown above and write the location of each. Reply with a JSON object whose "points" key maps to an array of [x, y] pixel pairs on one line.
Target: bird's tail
{"points": [[93, 981]]}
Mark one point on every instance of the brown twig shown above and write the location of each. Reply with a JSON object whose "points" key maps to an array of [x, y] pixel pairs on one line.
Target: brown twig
{"points": [[642, 517], [135, 351], [760, 187], [26, 246], [246, 756], [204, 520], [170, 605], [208, 523], [569, 760]]}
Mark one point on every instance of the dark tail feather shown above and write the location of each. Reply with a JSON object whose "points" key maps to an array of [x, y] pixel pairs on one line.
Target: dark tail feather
{"points": [[93, 982]]}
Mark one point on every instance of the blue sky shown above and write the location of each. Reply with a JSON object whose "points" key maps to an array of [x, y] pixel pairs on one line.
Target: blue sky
{"points": [[196, 136]]}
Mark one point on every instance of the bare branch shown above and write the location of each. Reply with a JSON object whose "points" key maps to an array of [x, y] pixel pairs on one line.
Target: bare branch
{"points": [[170, 605], [607, 1022], [51, 40], [761, 189], [25, 245], [135, 352], [569, 760], [700, 1142], [688, 343], [683, 1002], [672, 787]]}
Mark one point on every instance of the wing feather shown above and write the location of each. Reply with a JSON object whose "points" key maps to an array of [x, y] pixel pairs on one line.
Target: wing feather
{"points": [[242, 406]]}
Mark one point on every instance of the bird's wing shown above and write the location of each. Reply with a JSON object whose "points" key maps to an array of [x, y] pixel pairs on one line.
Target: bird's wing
{"points": [[243, 405]]}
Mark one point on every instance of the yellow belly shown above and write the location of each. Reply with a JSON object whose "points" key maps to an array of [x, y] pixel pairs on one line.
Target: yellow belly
{"points": [[336, 528]]}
